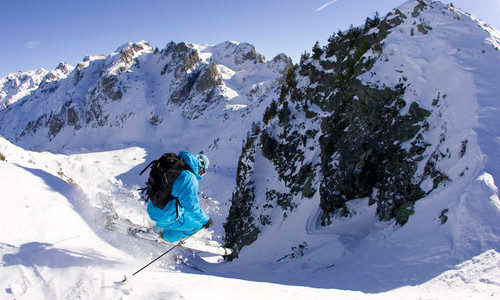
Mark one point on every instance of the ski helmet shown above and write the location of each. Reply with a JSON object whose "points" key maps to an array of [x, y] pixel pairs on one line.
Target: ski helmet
{"points": [[203, 163]]}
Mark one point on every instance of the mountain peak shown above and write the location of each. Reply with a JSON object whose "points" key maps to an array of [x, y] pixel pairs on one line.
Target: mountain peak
{"points": [[137, 46], [63, 66], [15, 86]]}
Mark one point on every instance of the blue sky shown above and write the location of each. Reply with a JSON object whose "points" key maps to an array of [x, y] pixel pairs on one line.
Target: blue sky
{"points": [[39, 33]]}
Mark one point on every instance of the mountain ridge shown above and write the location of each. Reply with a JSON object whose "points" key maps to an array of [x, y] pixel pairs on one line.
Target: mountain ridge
{"points": [[136, 75]]}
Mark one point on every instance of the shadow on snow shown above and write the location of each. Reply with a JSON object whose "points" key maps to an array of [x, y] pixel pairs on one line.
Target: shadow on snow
{"points": [[46, 254]]}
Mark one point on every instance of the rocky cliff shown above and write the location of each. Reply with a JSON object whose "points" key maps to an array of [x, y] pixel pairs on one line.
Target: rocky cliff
{"points": [[363, 117]]}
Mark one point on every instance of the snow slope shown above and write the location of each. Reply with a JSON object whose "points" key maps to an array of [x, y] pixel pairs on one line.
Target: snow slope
{"points": [[53, 244]]}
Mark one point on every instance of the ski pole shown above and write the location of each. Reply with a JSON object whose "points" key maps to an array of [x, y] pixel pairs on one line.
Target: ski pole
{"points": [[178, 243]]}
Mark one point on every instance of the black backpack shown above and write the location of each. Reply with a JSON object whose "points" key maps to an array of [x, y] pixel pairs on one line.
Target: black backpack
{"points": [[163, 173]]}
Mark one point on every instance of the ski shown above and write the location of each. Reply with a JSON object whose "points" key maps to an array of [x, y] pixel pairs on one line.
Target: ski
{"points": [[124, 226]]}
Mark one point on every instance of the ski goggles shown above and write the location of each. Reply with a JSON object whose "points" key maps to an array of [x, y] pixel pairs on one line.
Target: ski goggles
{"points": [[202, 170]]}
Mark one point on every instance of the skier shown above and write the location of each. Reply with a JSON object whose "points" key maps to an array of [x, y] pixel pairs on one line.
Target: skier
{"points": [[183, 216]]}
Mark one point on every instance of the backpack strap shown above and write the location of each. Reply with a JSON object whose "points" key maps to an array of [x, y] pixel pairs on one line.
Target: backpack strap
{"points": [[177, 204], [149, 165], [188, 168]]}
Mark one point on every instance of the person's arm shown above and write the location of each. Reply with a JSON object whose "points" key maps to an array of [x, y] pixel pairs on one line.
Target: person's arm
{"points": [[186, 189]]}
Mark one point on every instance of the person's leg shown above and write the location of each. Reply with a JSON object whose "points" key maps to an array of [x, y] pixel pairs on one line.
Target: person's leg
{"points": [[171, 233], [182, 229]]}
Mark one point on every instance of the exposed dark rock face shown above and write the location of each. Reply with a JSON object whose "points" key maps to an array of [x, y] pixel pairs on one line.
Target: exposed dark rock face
{"points": [[420, 7], [110, 88], [34, 126], [94, 111], [155, 120], [183, 58], [73, 118], [185, 88], [361, 154], [192, 59], [55, 122], [361, 133], [239, 227], [245, 52], [209, 78], [203, 80], [128, 55], [196, 83]]}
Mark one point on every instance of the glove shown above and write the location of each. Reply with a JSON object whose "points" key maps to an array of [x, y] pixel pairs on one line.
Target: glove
{"points": [[208, 224]]}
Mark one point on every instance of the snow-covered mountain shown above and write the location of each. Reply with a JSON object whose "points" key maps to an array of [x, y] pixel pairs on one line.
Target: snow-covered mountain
{"points": [[382, 150], [130, 93], [371, 166], [18, 85]]}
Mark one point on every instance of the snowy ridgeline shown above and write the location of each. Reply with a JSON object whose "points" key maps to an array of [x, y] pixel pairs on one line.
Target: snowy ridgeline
{"points": [[140, 94], [113, 114]]}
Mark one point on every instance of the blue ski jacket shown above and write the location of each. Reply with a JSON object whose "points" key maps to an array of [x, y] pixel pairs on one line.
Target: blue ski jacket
{"points": [[180, 219]]}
